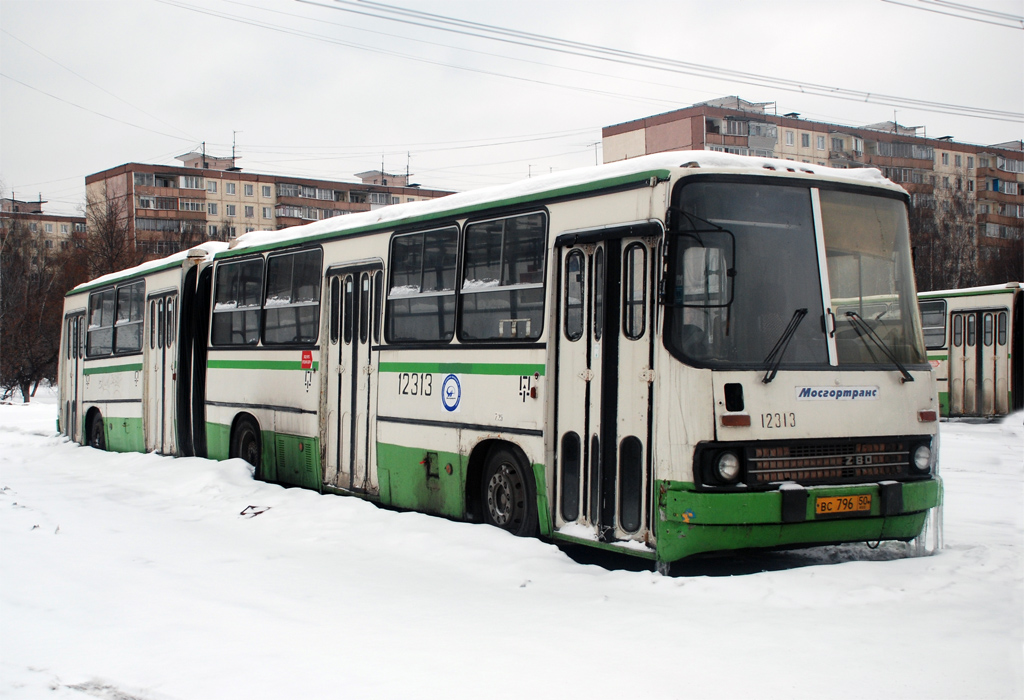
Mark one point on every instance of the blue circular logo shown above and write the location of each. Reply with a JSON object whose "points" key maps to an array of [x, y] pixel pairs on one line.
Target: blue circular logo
{"points": [[451, 392]]}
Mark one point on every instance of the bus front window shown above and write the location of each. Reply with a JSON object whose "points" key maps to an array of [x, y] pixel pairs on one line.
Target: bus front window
{"points": [[764, 234]]}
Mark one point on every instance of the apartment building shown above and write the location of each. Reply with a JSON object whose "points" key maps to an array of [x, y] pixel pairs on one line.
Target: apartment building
{"points": [[168, 208], [55, 231], [930, 169]]}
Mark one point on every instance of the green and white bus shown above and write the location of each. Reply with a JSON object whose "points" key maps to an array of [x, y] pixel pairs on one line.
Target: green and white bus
{"points": [[975, 342], [665, 356]]}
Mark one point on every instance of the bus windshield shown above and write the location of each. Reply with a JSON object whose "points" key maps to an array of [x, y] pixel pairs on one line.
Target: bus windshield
{"points": [[744, 278]]}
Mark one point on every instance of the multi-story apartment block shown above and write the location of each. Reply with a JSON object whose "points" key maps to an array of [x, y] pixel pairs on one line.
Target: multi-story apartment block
{"points": [[170, 207], [55, 231], [932, 170]]}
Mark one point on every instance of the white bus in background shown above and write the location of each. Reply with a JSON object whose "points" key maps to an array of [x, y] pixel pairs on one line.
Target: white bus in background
{"points": [[665, 356], [975, 342]]}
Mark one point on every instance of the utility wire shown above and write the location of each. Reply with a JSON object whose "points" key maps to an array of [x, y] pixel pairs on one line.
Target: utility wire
{"points": [[539, 41], [990, 16], [98, 87], [92, 111]]}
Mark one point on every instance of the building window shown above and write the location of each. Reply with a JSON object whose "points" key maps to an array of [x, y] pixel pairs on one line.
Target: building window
{"points": [[837, 144], [266, 190], [33, 227], [945, 182], [191, 182], [64, 229], [213, 230], [805, 140], [230, 209], [958, 160], [821, 143], [970, 185], [229, 188], [48, 227], [945, 159], [211, 186], [789, 138], [267, 213], [250, 212], [211, 208], [49, 244], [144, 179], [970, 162], [248, 190]]}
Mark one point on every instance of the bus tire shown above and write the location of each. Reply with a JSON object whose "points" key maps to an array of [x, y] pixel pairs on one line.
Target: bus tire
{"points": [[247, 443], [97, 436], [507, 494]]}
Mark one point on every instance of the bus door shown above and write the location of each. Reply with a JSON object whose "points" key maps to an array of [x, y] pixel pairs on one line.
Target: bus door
{"points": [[161, 373], [355, 303], [604, 385], [74, 350]]}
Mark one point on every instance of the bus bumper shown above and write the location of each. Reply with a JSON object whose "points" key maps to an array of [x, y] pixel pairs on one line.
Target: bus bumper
{"points": [[691, 522]]}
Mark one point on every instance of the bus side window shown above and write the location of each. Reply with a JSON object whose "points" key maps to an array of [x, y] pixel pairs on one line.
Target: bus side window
{"points": [[160, 323], [933, 322], [972, 331], [598, 293], [347, 320], [101, 323], [1002, 328], [958, 330], [987, 330], [170, 322], [152, 323], [421, 292], [364, 307], [130, 316], [237, 300], [574, 296], [291, 311], [335, 310], [378, 292], [634, 302]]}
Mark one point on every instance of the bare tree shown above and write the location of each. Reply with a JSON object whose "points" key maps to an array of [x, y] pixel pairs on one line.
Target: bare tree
{"points": [[33, 280], [109, 243], [944, 236]]}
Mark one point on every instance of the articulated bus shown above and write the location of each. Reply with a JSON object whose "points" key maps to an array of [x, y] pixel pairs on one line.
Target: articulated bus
{"points": [[975, 342], [667, 356]]}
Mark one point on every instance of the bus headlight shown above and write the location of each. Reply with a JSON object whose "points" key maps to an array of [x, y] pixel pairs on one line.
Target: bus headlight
{"points": [[922, 458], [727, 468]]}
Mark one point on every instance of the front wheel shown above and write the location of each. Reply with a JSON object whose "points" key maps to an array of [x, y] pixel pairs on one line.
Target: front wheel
{"points": [[248, 444], [507, 494], [97, 436]]}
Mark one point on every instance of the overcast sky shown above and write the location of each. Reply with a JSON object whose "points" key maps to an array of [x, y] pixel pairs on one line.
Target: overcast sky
{"points": [[314, 89]]}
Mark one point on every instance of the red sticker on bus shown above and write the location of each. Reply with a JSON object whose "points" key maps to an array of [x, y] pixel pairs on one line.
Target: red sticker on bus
{"points": [[307, 359]]}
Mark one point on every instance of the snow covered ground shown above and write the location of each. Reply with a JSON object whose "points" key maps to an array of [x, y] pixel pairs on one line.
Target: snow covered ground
{"points": [[138, 577]]}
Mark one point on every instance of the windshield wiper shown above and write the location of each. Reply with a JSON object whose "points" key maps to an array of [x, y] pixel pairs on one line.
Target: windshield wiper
{"points": [[774, 358], [859, 324]]}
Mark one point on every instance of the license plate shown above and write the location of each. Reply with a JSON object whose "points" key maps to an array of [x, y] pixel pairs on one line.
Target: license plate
{"points": [[842, 505]]}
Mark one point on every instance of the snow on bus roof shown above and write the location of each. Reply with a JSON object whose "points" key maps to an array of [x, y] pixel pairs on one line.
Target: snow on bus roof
{"points": [[554, 182], [208, 249], [984, 289]]}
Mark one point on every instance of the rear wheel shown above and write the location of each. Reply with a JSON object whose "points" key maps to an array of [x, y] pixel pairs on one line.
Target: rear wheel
{"points": [[507, 494], [248, 444], [97, 437]]}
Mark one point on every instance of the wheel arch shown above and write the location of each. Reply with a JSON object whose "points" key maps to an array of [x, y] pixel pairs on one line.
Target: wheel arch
{"points": [[475, 469]]}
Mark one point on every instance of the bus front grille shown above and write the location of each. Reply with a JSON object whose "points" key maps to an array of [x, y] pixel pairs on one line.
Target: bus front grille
{"points": [[828, 463]]}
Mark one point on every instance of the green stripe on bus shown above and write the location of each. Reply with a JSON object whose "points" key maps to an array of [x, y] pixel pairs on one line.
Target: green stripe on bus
{"points": [[112, 369], [462, 368], [258, 364], [938, 357]]}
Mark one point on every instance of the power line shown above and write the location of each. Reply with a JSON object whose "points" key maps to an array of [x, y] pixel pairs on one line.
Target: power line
{"points": [[630, 58], [99, 87], [91, 111], [989, 16]]}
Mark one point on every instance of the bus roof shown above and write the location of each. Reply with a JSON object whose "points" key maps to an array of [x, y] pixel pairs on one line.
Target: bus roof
{"points": [[660, 165], [972, 291], [204, 251]]}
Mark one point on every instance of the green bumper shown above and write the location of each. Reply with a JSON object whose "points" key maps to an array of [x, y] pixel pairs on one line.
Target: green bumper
{"points": [[691, 522]]}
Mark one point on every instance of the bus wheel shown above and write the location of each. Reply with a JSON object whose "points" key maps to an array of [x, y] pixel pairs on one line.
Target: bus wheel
{"points": [[507, 494], [248, 444], [97, 438]]}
